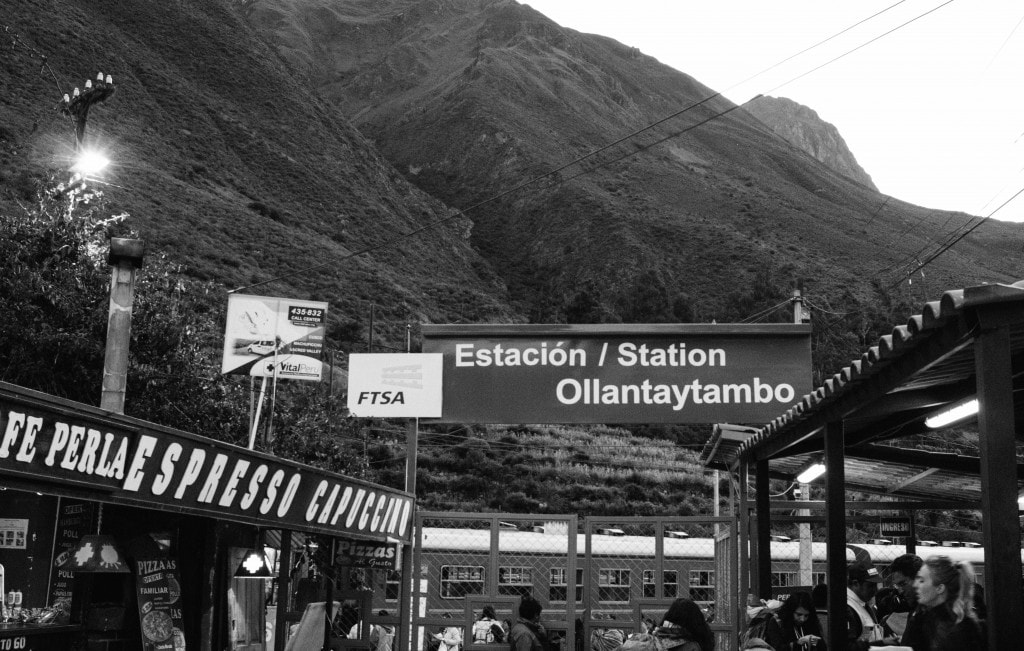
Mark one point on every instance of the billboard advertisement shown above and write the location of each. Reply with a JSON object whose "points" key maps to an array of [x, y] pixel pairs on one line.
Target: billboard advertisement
{"points": [[267, 336], [661, 373]]}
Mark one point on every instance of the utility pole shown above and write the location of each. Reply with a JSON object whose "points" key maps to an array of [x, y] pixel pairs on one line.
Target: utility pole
{"points": [[125, 258], [803, 491]]}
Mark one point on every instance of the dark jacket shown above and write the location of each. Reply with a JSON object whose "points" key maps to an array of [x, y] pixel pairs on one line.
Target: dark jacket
{"points": [[790, 634], [526, 636], [941, 632], [913, 636]]}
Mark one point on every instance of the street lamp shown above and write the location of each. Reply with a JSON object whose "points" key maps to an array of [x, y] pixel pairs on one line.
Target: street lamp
{"points": [[77, 104], [90, 162]]}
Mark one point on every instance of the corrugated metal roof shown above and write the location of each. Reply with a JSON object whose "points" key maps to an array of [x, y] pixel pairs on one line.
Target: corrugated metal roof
{"points": [[885, 395]]}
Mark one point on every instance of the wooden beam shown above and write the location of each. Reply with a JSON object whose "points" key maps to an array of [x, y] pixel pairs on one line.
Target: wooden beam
{"points": [[910, 480], [762, 498], [877, 505], [1000, 524], [835, 532]]}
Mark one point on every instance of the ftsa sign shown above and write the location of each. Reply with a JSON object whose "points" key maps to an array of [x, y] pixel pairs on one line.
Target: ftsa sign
{"points": [[395, 385]]}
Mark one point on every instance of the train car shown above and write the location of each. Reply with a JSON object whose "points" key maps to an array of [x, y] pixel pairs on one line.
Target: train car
{"points": [[615, 574]]}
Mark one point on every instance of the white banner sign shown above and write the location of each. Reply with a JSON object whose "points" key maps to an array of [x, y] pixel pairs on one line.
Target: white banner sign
{"points": [[267, 336], [399, 385]]}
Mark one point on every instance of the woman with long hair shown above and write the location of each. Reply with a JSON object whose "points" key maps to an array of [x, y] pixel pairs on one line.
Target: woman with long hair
{"points": [[684, 628], [801, 630], [946, 589]]}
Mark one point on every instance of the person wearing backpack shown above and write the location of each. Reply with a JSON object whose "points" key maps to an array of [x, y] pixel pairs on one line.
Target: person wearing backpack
{"points": [[684, 628], [484, 627], [763, 624]]}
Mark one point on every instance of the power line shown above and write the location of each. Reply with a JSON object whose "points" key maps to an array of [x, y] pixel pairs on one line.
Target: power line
{"points": [[950, 245]]}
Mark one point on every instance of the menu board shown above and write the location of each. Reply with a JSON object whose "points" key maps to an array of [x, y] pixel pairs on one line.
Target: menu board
{"points": [[158, 585], [74, 520], [13, 533]]}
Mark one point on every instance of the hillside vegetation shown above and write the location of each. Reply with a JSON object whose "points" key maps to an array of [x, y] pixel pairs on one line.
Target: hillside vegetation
{"points": [[374, 154]]}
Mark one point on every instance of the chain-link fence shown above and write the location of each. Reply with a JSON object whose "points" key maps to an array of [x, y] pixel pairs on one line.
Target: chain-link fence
{"points": [[600, 578]]}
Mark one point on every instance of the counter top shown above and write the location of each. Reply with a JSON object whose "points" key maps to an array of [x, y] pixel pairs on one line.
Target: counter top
{"points": [[10, 629]]}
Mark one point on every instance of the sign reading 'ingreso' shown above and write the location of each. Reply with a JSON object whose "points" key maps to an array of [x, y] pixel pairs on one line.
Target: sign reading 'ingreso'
{"points": [[621, 374]]}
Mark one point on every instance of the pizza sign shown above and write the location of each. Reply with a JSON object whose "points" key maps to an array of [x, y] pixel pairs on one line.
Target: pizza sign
{"points": [[158, 587]]}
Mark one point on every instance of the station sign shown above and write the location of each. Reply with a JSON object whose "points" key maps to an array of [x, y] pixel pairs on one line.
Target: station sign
{"points": [[660, 373]]}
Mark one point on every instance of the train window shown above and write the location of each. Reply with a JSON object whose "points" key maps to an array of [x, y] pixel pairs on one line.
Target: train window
{"points": [[515, 581], [784, 579], [392, 585], [558, 589], [457, 581], [613, 585], [669, 581], [702, 586]]}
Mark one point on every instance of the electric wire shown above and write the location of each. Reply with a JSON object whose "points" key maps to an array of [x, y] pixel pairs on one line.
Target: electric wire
{"points": [[754, 318], [961, 236]]}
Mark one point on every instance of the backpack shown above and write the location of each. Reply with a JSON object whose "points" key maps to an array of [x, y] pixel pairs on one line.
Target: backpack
{"points": [[497, 632], [757, 628], [483, 632], [642, 642]]}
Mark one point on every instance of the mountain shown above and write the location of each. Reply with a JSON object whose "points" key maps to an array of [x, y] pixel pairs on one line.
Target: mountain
{"points": [[801, 126], [382, 154], [542, 136], [232, 167]]}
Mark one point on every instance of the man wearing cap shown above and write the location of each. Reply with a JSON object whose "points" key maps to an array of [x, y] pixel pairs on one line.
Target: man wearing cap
{"points": [[862, 627]]}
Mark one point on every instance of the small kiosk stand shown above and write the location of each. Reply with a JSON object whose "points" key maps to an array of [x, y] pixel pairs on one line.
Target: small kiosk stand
{"points": [[116, 533]]}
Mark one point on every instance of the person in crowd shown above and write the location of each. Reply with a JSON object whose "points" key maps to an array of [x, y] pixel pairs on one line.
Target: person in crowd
{"points": [[904, 628], [819, 594], [527, 634], [450, 637], [757, 644], [646, 624], [799, 623], [385, 635], [485, 627], [862, 627], [683, 628], [763, 622], [605, 639], [946, 590]]}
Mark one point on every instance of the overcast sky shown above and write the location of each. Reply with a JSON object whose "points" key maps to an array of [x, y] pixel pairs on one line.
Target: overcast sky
{"points": [[926, 93]]}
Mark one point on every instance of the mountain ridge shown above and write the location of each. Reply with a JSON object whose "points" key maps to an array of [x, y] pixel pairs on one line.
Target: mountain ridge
{"points": [[471, 100], [801, 126]]}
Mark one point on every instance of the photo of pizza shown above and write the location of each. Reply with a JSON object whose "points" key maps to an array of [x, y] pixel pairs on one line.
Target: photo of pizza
{"points": [[157, 626], [173, 589]]}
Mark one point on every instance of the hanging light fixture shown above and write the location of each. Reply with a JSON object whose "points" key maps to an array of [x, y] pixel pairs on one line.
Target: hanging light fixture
{"points": [[254, 564], [959, 412], [96, 553], [813, 470]]}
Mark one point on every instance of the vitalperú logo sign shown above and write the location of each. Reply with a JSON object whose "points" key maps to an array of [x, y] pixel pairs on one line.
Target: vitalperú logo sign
{"points": [[395, 385]]}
